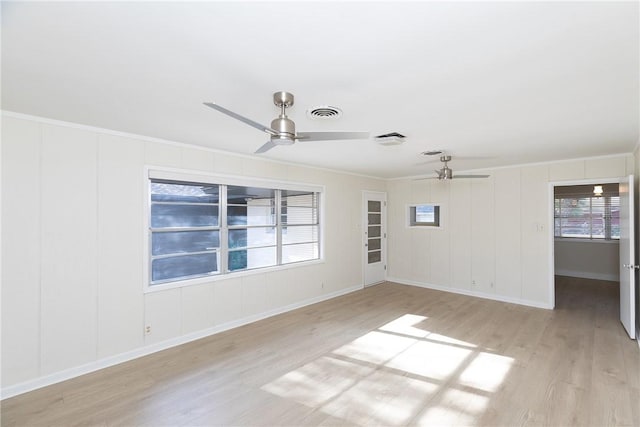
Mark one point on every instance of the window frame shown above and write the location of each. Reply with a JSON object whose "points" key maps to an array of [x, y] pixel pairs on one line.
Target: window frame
{"points": [[216, 251], [224, 180], [437, 224]]}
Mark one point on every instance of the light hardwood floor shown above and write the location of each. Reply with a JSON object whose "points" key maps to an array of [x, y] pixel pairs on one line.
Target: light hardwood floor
{"points": [[386, 355]]}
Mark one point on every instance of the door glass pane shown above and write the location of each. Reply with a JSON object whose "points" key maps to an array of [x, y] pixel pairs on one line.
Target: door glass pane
{"points": [[374, 219], [374, 244], [374, 206], [375, 256], [374, 231]]}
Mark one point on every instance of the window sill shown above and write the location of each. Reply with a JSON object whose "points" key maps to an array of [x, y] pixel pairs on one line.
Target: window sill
{"points": [[579, 240], [228, 276]]}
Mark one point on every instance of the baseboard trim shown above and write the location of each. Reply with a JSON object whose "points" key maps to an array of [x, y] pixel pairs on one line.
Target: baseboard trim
{"points": [[467, 292], [106, 362], [588, 275]]}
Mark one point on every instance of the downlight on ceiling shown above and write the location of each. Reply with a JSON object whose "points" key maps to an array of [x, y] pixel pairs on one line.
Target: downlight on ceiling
{"points": [[393, 138], [324, 112]]}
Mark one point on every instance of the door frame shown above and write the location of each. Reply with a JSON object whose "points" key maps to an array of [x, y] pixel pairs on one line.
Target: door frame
{"points": [[551, 231], [363, 242]]}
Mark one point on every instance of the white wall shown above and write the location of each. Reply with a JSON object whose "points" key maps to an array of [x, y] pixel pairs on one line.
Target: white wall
{"points": [[588, 259], [72, 246], [495, 241], [72, 222]]}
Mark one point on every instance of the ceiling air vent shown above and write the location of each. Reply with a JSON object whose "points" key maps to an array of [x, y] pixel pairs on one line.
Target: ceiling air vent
{"points": [[431, 152], [324, 112], [393, 138]]}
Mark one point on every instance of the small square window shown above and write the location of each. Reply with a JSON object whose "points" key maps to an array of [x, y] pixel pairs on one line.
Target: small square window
{"points": [[424, 215]]}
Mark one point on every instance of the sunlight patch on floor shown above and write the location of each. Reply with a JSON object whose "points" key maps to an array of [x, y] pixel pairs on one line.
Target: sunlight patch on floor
{"points": [[319, 381], [375, 347], [448, 340], [405, 325], [399, 374], [430, 360], [486, 371]]}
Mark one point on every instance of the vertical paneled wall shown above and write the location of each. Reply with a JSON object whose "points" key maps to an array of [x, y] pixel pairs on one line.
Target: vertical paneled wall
{"points": [[73, 239], [495, 240]]}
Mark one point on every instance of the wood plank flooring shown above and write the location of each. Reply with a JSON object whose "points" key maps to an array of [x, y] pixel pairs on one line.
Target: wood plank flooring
{"points": [[386, 355]]}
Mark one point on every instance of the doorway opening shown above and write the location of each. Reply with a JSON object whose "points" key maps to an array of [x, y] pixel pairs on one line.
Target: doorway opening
{"points": [[592, 239]]}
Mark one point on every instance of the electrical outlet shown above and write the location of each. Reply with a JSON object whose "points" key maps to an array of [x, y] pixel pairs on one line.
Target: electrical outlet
{"points": [[147, 330]]}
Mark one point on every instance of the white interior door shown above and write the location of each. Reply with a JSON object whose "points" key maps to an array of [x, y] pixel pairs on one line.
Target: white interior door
{"points": [[627, 257], [375, 237]]}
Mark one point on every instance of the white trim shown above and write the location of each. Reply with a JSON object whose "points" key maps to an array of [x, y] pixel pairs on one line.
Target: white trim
{"points": [[144, 138], [226, 276], [520, 165], [162, 172], [551, 242], [106, 362], [494, 297], [588, 275]]}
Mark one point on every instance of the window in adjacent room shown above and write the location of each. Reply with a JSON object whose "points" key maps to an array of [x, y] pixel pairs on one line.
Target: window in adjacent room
{"points": [[578, 213]]}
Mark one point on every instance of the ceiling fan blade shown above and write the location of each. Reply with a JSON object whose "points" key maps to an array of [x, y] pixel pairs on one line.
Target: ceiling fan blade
{"points": [[266, 147], [328, 136], [241, 118], [471, 176]]}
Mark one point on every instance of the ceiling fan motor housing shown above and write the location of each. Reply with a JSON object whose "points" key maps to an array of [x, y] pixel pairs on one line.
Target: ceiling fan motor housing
{"points": [[286, 130], [446, 173]]}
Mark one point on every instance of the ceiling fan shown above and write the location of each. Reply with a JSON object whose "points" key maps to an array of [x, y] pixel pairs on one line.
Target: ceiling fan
{"points": [[447, 173], [283, 129]]}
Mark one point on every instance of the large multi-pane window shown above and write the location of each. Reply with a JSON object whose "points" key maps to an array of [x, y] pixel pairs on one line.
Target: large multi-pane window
{"points": [[184, 230], [300, 226], [587, 216], [251, 221], [201, 229]]}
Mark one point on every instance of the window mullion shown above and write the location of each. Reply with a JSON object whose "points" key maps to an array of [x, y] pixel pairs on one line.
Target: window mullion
{"points": [[224, 231], [607, 218], [591, 218], [560, 213], [278, 218]]}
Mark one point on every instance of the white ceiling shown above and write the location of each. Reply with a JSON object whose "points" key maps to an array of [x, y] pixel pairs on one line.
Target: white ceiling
{"points": [[517, 82]]}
